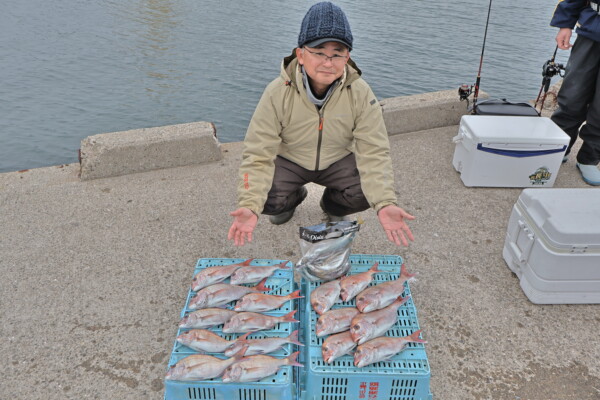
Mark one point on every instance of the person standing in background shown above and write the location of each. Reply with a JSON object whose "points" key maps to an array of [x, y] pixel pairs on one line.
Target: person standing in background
{"points": [[579, 95]]}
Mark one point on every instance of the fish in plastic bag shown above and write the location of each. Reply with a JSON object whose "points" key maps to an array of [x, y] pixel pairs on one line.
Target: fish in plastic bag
{"points": [[326, 250]]}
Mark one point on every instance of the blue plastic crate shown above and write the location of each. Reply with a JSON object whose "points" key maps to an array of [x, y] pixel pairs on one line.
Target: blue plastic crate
{"points": [[282, 385], [404, 377]]}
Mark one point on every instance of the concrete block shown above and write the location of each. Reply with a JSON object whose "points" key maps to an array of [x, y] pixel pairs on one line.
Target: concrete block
{"points": [[139, 150], [424, 111]]}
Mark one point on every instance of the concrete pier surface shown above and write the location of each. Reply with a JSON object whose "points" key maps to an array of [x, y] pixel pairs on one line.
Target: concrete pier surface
{"points": [[95, 273]]}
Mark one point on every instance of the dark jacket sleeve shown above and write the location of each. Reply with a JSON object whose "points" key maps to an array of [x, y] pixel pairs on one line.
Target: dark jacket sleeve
{"points": [[567, 13]]}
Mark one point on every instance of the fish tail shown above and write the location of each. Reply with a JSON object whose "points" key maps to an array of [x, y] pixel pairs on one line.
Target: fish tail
{"points": [[247, 262], [415, 337], [283, 265], [289, 317], [261, 286], [404, 273], [240, 353], [243, 337], [295, 295], [374, 269], [293, 338], [343, 295], [292, 360], [403, 300]]}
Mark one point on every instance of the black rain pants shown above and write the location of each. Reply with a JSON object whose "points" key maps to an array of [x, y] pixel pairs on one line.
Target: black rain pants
{"points": [[579, 100]]}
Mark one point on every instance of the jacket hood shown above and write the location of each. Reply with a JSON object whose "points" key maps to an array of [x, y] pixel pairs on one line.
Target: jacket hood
{"points": [[289, 69]]}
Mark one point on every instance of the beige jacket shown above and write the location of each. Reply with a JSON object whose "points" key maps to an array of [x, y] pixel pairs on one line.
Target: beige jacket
{"points": [[286, 123]]}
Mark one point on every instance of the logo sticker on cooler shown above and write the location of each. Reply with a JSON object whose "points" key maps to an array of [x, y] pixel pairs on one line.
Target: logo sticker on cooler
{"points": [[540, 176]]}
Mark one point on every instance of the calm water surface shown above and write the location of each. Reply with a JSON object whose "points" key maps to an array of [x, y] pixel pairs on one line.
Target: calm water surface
{"points": [[75, 68]]}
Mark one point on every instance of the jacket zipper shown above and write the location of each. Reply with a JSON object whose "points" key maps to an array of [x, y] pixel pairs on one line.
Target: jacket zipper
{"points": [[321, 113], [320, 140]]}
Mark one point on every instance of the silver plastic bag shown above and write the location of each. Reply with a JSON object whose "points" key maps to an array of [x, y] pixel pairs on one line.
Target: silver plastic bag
{"points": [[326, 250]]}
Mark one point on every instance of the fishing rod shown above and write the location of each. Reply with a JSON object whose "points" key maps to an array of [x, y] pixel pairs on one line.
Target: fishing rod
{"points": [[492, 107], [465, 90], [549, 70]]}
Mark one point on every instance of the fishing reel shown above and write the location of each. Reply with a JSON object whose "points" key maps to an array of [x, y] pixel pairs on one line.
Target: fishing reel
{"points": [[551, 69], [464, 91]]}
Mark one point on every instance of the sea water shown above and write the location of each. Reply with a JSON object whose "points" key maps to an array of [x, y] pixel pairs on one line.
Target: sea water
{"points": [[75, 68]]}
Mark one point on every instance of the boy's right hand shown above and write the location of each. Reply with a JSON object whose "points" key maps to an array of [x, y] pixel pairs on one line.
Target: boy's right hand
{"points": [[244, 222]]}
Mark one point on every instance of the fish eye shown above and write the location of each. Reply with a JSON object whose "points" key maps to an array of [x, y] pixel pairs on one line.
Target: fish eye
{"points": [[356, 327], [326, 348], [361, 299]]}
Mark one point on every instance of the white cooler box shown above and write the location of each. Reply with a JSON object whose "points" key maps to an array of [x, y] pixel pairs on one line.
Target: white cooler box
{"points": [[505, 151], [553, 245]]}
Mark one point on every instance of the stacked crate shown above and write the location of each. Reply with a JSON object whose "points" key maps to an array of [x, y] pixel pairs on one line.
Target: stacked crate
{"points": [[404, 377], [282, 385]]}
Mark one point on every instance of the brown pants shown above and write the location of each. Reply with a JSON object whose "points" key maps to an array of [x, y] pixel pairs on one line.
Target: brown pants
{"points": [[343, 194]]}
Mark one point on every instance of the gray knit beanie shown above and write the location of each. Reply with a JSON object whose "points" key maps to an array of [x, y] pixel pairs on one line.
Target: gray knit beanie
{"points": [[325, 22]]}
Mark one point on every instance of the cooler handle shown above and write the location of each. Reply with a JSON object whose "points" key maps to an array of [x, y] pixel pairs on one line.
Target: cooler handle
{"points": [[525, 251], [519, 153], [462, 133]]}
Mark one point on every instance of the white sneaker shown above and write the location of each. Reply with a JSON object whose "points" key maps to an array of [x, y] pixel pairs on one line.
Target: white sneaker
{"points": [[590, 174]]}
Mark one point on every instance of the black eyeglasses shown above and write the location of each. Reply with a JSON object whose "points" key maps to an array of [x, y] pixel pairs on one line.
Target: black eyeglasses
{"points": [[335, 59]]}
